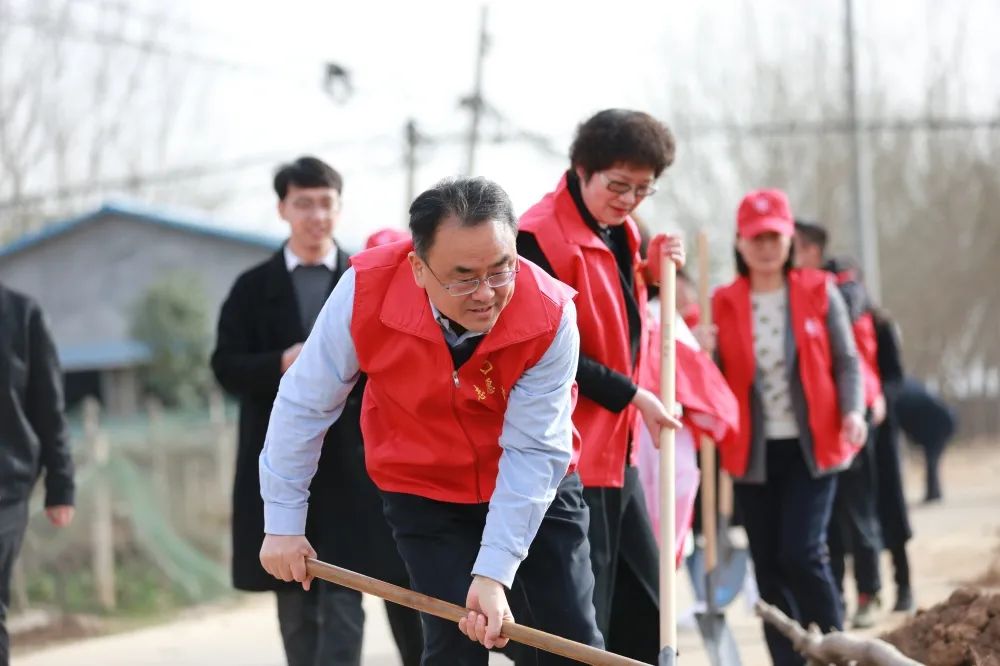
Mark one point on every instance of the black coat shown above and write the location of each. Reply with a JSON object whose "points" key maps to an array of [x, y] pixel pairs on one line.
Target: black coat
{"points": [[893, 512], [33, 435], [259, 320], [925, 418]]}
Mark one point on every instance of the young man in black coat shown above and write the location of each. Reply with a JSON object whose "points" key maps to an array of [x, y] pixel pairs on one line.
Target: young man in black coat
{"points": [[264, 321], [33, 435]]}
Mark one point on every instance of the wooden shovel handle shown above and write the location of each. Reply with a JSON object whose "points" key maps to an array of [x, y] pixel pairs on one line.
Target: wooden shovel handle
{"points": [[668, 394], [709, 524], [533, 637]]}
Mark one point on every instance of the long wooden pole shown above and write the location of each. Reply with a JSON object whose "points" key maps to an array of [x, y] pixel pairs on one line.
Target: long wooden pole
{"points": [[533, 637], [707, 446], [668, 363]]}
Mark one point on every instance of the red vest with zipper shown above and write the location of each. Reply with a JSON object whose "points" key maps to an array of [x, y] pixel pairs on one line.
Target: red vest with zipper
{"points": [[431, 430], [808, 300], [864, 337], [582, 260]]}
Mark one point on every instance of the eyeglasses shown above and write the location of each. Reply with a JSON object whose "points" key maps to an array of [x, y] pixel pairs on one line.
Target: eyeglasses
{"points": [[466, 287], [621, 187], [308, 205]]}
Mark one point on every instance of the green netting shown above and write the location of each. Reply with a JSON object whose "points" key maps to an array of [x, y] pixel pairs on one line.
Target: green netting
{"points": [[152, 526]]}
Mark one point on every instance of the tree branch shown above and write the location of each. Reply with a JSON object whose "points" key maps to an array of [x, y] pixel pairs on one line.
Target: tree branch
{"points": [[836, 648]]}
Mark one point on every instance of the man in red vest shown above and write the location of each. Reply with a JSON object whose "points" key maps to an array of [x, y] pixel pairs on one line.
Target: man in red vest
{"points": [[584, 235], [467, 423], [855, 527]]}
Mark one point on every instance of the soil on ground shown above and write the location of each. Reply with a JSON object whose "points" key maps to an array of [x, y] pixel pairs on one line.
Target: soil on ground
{"points": [[964, 630]]}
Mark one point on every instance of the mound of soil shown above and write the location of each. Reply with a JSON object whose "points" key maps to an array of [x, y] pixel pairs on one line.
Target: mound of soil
{"points": [[962, 631]]}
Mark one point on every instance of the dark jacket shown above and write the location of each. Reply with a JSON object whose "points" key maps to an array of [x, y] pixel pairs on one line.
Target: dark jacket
{"points": [[925, 418], [32, 425], [259, 320], [892, 509]]}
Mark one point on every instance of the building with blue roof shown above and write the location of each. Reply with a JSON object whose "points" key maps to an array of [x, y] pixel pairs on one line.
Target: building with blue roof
{"points": [[88, 273]]}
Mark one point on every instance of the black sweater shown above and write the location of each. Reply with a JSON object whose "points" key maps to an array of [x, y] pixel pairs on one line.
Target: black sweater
{"points": [[605, 386]]}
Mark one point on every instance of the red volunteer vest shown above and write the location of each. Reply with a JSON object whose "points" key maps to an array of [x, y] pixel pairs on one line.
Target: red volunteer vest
{"points": [[430, 430], [864, 337], [808, 302], [582, 260], [709, 404]]}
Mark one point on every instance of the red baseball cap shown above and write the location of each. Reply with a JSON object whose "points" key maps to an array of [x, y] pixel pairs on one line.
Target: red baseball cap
{"points": [[762, 211], [384, 237]]}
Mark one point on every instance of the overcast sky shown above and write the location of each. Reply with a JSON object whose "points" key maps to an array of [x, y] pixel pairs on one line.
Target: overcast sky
{"points": [[549, 65]]}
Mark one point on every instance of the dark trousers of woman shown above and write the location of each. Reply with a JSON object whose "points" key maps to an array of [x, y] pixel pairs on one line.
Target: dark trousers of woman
{"points": [[786, 519], [894, 516], [855, 528], [552, 591], [625, 558]]}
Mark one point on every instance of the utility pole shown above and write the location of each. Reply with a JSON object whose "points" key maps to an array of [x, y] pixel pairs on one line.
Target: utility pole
{"points": [[412, 138], [475, 102], [865, 232]]}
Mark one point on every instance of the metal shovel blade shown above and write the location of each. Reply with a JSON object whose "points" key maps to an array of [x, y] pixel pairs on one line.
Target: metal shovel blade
{"points": [[728, 575], [667, 657], [719, 642]]}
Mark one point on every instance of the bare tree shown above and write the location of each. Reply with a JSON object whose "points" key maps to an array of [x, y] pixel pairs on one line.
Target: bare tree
{"points": [[936, 195], [89, 93]]}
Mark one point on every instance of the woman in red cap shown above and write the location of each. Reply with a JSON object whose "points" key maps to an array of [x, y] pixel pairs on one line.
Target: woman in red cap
{"points": [[786, 348]]}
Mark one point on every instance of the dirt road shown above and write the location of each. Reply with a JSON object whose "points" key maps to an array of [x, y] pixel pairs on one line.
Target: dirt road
{"points": [[955, 542]]}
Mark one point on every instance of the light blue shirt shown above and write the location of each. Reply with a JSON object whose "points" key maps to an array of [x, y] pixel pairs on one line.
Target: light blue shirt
{"points": [[536, 438]]}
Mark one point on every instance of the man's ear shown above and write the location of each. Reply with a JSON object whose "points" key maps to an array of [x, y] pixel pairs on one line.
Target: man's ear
{"points": [[418, 268]]}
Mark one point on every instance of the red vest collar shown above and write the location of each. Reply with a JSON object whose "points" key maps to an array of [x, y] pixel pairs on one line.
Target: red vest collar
{"points": [[407, 309], [576, 231]]}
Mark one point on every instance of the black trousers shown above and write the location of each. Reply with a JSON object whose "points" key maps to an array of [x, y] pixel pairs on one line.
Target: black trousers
{"points": [[786, 520], [553, 589], [325, 626], [625, 558], [13, 522], [856, 529], [933, 448]]}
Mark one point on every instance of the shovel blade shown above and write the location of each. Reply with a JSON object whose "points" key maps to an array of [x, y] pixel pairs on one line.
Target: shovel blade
{"points": [[719, 642], [667, 657]]}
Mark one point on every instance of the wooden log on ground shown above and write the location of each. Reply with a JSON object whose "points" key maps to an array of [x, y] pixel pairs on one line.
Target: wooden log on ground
{"points": [[834, 648]]}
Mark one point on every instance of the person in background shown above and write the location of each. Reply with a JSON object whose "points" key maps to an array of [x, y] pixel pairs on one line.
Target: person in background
{"points": [[583, 234], [33, 437], [785, 345], [264, 321], [856, 527], [929, 422], [894, 515]]}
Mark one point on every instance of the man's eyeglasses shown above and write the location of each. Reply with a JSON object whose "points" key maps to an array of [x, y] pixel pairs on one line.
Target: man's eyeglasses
{"points": [[466, 287], [308, 205], [621, 187]]}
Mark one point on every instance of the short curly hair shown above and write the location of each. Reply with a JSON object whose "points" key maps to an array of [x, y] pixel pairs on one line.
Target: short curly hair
{"points": [[617, 136]]}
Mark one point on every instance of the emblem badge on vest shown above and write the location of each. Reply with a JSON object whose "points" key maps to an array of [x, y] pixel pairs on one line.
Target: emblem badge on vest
{"points": [[491, 388], [812, 327]]}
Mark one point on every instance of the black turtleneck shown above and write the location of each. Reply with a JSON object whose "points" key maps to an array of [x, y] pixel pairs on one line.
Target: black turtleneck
{"points": [[605, 386]]}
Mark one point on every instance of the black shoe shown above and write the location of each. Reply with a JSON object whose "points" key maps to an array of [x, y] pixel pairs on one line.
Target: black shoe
{"points": [[904, 600]]}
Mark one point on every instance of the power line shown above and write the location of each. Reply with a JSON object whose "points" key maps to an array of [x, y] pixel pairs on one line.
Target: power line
{"points": [[811, 128], [170, 175], [108, 38]]}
